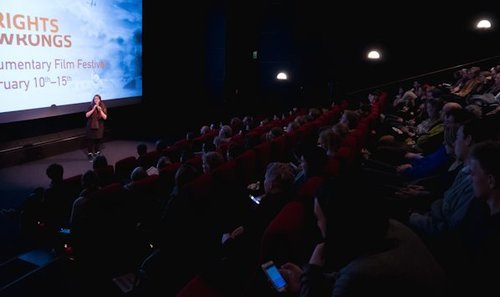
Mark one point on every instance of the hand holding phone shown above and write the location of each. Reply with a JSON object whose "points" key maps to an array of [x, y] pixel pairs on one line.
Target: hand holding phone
{"points": [[274, 275]]}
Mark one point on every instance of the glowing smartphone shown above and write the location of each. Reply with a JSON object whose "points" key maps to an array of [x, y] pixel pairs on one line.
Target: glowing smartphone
{"points": [[65, 231], [274, 275], [256, 200]]}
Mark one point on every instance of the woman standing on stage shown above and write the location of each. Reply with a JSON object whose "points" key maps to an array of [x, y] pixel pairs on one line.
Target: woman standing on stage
{"points": [[96, 114]]}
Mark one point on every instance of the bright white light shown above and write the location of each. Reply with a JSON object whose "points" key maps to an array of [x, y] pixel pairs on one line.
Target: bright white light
{"points": [[282, 76], [483, 24], [373, 55]]}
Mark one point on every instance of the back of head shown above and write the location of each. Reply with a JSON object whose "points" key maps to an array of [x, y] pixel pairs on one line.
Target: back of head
{"points": [[350, 118], [234, 150], [341, 129], [204, 130], [458, 116], [274, 133], [160, 145], [186, 154], [212, 160], [355, 220], [279, 177], [90, 180], [162, 162], [99, 162], [55, 172], [315, 160], [226, 131], [138, 173], [185, 174], [329, 140], [142, 149], [236, 124]]}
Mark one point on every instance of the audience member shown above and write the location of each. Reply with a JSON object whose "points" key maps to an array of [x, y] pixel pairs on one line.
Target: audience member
{"points": [[363, 253]]}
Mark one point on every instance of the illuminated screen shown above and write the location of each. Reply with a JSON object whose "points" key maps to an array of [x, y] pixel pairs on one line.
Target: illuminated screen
{"points": [[55, 55]]}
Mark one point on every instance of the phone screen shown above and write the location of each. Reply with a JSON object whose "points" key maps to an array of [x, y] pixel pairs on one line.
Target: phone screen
{"points": [[275, 277], [256, 200], [65, 231]]}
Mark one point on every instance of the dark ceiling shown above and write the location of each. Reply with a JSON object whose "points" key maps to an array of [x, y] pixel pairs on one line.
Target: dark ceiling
{"points": [[318, 40]]}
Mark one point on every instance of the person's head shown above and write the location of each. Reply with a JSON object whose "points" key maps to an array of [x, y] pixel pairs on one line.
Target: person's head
{"points": [[278, 177], [456, 116], [373, 96], [351, 220], [142, 149], [96, 99], [160, 145], [211, 160], [433, 108], [484, 161], [313, 160], [468, 134], [387, 140], [204, 130], [292, 126], [162, 162], [138, 173], [90, 180], [274, 133], [445, 111], [185, 174], [341, 129], [225, 131], [186, 155], [329, 141], [233, 151], [314, 112], [349, 118], [99, 161], [236, 124], [55, 172]]}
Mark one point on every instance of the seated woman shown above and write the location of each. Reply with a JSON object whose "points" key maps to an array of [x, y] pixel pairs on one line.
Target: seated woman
{"points": [[363, 252]]}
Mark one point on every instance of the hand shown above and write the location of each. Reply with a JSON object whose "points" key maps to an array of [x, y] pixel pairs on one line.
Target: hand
{"points": [[410, 155], [416, 187], [254, 186], [291, 273], [403, 167], [318, 256], [237, 232]]}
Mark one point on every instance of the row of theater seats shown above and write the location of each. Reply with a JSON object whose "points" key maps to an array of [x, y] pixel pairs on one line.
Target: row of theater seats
{"points": [[120, 172], [238, 173], [288, 238], [246, 168]]}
